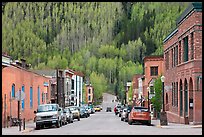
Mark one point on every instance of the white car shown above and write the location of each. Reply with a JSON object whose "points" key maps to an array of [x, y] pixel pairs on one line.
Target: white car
{"points": [[48, 115]]}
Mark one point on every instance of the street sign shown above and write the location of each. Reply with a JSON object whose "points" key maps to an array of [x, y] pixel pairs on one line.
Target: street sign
{"points": [[18, 95]]}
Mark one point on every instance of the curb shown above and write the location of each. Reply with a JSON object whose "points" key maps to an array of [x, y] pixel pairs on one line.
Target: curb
{"points": [[197, 126], [159, 126], [27, 130]]}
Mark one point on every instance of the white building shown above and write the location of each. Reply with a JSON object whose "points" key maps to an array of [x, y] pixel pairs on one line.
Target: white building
{"points": [[76, 89]]}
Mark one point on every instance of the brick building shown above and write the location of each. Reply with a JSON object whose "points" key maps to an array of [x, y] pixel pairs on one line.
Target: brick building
{"points": [[183, 68], [16, 77], [89, 94], [153, 67]]}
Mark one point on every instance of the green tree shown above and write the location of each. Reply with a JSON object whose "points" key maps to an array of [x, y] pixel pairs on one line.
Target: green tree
{"points": [[157, 99]]}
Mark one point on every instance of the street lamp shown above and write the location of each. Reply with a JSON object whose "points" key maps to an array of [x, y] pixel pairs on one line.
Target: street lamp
{"points": [[163, 117], [163, 79], [148, 90]]}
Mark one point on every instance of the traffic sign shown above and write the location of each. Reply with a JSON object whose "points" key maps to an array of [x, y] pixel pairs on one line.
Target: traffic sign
{"points": [[18, 95]]}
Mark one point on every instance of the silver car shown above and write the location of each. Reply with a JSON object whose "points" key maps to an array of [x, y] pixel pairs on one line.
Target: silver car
{"points": [[48, 115], [69, 115]]}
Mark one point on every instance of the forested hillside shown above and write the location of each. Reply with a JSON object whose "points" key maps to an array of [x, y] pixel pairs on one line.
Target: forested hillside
{"points": [[106, 41]]}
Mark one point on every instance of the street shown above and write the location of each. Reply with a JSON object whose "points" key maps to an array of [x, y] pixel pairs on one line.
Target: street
{"points": [[107, 123]]}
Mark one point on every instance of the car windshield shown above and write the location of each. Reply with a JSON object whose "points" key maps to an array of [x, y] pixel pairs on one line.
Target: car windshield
{"points": [[140, 109], [72, 108], [45, 108]]}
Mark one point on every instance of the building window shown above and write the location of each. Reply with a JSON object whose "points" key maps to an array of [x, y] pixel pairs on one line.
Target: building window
{"points": [[31, 97], [38, 95], [192, 47], [154, 71], [176, 55], [152, 90], [72, 84], [179, 54], [22, 103], [172, 55], [181, 99], [176, 97], [89, 91], [167, 60], [43, 97], [72, 92], [172, 94], [13, 91], [185, 49], [72, 98], [89, 98]]}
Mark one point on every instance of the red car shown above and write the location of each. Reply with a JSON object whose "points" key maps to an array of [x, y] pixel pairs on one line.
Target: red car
{"points": [[139, 114]]}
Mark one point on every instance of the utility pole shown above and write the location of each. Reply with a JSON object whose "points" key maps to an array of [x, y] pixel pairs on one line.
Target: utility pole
{"points": [[57, 85], [19, 110]]}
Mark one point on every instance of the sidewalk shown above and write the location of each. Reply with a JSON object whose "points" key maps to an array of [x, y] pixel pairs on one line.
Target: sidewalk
{"points": [[14, 130], [174, 125]]}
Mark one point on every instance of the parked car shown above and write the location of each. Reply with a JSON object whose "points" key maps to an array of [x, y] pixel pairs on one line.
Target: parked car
{"points": [[83, 112], [76, 112], [120, 110], [139, 114], [108, 109], [48, 115], [116, 109], [69, 115], [63, 116], [125, 113]]}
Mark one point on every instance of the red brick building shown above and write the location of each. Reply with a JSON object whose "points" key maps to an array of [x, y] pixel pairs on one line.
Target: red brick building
{"points": [[153, 67], [35, 87], [183, 68]]}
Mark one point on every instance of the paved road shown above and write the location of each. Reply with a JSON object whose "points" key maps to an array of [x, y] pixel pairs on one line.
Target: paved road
{"points": [[107, 123]]}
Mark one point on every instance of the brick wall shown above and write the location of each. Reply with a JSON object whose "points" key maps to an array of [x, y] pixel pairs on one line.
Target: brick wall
{"points": [[188, 70], [19, 77]]}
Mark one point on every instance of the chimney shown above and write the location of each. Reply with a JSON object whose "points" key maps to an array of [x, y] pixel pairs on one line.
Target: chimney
{"points": [[23, 63]]}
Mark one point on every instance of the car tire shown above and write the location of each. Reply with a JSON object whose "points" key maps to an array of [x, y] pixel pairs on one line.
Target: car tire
{"points": [[78, 118], [37, 127], [130, 122], [58, 124], [149, 123]]}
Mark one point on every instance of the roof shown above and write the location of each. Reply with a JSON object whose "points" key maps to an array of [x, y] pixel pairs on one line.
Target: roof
{"points": [[46, 72], [196, 6], [78, 73], [153, 56]]}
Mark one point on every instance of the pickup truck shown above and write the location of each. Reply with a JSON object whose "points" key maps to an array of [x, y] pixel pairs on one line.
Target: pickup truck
{"points": [[48, 114]]}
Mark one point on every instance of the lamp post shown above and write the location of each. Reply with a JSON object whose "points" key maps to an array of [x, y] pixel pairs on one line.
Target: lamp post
{"points": [[134, 99], [148, 89], [163, 117]]}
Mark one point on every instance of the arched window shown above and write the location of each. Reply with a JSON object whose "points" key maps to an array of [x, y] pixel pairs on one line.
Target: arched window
{"points": [[186, 97], [181, 98], [22, 103]]}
